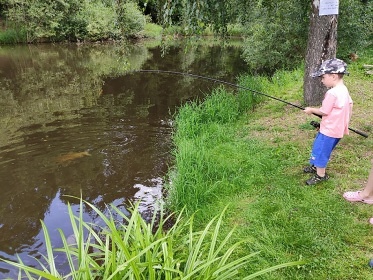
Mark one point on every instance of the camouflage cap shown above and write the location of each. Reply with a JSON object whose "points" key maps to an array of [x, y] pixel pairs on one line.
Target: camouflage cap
{"points": [[331, 66]]}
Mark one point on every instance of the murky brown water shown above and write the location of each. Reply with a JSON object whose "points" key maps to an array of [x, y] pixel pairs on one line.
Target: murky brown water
{"points": [[72, 121]]}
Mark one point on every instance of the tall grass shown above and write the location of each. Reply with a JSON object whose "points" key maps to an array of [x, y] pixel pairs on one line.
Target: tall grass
{"points": [[12, 36], [135, 249], [201, 157]]}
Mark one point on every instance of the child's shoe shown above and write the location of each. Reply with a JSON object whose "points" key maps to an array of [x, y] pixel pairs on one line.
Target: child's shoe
{"points": [[310, 169], [315, 179]]}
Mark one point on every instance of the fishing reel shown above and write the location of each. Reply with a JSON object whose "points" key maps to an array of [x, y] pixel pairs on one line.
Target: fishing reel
{"points": [[315, 124]]}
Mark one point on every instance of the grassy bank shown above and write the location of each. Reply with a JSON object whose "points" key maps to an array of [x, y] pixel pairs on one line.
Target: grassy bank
{"points": [[228, 151]]}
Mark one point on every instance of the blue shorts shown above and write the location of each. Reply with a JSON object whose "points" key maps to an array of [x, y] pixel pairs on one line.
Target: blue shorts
{"points": [[322, 149]]}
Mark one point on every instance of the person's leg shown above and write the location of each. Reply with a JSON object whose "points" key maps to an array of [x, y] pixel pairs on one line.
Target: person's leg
{"points": [[312, 168], [321, 152], [315, 149], [367, 192], [365, 195], [321, 171]]}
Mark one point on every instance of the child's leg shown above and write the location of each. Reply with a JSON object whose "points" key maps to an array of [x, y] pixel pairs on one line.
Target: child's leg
{"points": [[320, 171], [322, 149]]}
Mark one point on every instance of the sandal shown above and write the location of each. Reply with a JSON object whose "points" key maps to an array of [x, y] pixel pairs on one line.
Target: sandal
{"points": [[310, 169], [315, 179], [355, 197]]}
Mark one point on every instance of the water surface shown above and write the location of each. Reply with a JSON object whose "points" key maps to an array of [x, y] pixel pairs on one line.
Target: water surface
{"points": [[75, 120]]}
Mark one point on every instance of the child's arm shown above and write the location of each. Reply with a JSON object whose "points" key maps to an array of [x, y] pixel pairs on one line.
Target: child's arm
{"points": [[311, 110]]}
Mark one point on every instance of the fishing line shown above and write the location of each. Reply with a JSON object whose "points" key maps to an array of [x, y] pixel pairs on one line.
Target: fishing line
{"points": [[236, 86]]}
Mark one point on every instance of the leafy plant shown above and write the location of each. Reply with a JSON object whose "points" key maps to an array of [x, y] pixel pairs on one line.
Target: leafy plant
{"points": [[135, 249], [131, 19]]}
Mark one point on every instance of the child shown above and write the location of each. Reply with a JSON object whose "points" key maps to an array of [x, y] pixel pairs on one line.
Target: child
{"points": [[336, 110], [365, 195]]}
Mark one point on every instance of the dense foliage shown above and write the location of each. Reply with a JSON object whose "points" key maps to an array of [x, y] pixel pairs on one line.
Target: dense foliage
{"points": [[355, 26], [276, 35], [74, 20], [275, 32]]}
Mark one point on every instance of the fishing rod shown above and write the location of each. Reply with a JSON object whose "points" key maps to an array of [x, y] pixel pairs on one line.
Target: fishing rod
{"points": [[236, 86]]}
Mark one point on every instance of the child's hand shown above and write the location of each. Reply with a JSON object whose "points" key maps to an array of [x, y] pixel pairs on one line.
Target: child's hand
{"points": [[308, 110]]}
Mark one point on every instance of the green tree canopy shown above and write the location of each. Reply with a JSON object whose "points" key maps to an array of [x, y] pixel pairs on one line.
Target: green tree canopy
{"points": [[276, 32]]}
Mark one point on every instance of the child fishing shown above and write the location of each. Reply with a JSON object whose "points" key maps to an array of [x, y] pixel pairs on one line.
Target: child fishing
{"points": [[335, 112]]}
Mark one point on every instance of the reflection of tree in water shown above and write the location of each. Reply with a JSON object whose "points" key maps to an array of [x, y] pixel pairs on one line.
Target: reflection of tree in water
{"points": [[44, 89], [48, 83]]}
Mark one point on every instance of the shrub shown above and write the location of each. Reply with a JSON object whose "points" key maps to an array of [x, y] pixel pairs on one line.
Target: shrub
{"points": [[131, 19], [100, 21]]}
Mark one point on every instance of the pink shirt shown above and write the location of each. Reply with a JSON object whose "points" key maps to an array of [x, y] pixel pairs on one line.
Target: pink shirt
{"points": [[337, 107]]}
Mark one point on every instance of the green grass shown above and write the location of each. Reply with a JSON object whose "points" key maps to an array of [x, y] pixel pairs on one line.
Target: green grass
{"points": [[248, 151]]}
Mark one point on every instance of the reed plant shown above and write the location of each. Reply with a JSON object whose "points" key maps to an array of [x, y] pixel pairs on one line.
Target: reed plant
{"points": [[12, 36], [136, 249]]}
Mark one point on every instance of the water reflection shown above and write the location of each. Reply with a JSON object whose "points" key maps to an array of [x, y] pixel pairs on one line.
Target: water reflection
{"points": [[59, 100]]}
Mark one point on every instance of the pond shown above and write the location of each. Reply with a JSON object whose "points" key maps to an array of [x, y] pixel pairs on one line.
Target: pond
{"points": [[76, 120]]}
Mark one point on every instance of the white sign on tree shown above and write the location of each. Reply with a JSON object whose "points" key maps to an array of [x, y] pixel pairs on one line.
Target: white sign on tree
{"points": [[328, 7]]}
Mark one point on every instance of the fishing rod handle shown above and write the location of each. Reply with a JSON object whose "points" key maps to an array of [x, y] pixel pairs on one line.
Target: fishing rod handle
{"points": [[352, 129], [359, 132]]}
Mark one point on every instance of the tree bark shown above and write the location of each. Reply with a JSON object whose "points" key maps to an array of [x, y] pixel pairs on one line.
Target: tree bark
{"points": [[322, 45]]}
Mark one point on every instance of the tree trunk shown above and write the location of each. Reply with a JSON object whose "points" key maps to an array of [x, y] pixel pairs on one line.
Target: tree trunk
{"points": [[322, 45]]}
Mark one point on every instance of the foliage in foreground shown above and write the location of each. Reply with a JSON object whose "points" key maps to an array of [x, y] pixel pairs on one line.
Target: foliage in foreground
{"points": [[135, 249]]}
